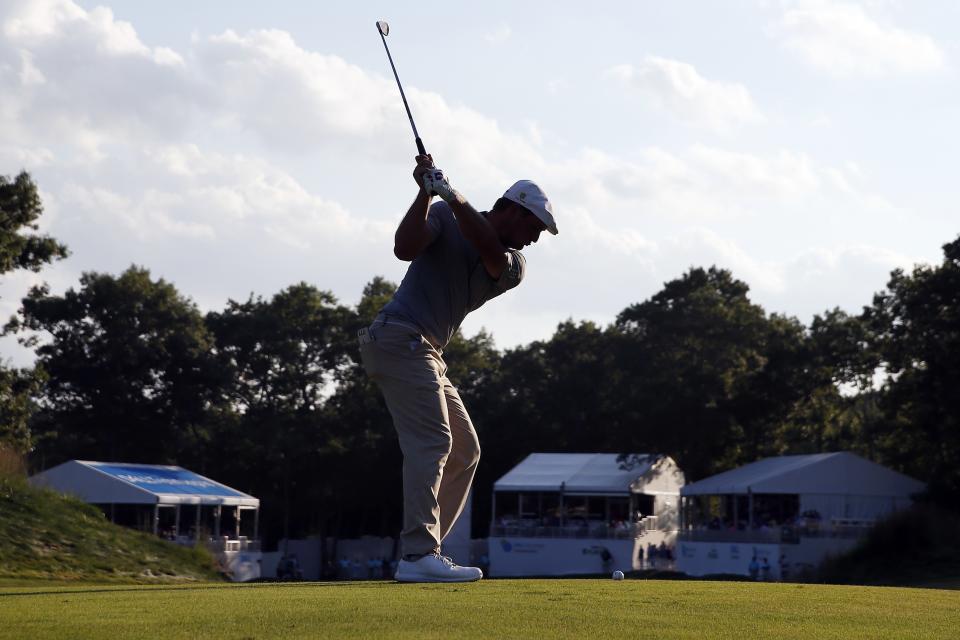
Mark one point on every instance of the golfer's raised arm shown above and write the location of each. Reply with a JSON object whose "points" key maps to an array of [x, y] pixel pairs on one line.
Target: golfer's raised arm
{"points": [[474, 227], [478, 231], [413, 234]]}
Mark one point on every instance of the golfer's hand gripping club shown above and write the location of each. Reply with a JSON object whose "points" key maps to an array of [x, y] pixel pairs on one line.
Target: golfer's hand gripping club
{"points": [[436, 184]]}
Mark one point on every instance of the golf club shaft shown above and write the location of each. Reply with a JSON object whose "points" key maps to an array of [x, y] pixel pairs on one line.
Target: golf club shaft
{"points": [[416, 135]]}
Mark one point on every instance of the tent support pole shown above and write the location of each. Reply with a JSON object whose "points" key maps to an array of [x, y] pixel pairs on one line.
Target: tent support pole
{"points": [[156, 518], [176, 526], [563, 509]]}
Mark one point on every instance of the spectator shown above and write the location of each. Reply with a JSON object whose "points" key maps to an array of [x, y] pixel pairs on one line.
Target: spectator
{"points": [[385, 569], [607, 558], [765, 570], [355, 568]]}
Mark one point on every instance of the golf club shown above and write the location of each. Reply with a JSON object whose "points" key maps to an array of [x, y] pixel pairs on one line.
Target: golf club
{"points": [[384, 29]]}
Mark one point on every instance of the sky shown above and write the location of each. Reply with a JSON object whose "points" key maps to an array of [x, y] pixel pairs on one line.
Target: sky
{"points": [[239, 147]]}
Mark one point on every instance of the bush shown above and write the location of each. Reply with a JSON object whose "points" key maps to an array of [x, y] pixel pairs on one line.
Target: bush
{"points": [[916, 545], [12, 463]]}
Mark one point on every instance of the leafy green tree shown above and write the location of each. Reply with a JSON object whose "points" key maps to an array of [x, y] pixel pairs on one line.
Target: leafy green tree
{"points": [[129, 371], [282, 357], [838, 407], [684, 355], [916, 327], [18, 388], [20, 208]]}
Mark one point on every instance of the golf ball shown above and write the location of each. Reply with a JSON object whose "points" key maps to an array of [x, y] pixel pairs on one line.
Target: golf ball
{"points": [[618, 575]]}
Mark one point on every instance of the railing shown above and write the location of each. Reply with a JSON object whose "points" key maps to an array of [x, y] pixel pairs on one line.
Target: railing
{"points": [[235, 544], [593, 531], [843, 528], [759, 536], [218, 545]]}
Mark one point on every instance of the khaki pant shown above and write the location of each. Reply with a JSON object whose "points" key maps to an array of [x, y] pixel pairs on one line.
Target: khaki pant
{"points": [[438, 441]]}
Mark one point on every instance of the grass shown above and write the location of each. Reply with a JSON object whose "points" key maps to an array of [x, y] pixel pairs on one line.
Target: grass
{"points": [[597, 609], [45, 535]]}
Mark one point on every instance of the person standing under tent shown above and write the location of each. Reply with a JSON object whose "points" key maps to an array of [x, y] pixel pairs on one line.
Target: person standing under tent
{"points": [[459, 259]]}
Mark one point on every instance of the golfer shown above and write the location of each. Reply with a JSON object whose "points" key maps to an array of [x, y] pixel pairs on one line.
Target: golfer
{"points": [[459, 258]]}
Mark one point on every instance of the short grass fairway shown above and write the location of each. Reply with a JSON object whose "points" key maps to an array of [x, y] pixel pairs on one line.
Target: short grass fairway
{"points": [[596, 609]]}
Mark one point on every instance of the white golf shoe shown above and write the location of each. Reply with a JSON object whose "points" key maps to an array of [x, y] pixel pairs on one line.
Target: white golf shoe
{"points": [[435, 568]]}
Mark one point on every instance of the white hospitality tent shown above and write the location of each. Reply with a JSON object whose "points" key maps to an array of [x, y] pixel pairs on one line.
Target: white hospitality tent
{"points": [[839, 485], [145, 495], [572, 476]]}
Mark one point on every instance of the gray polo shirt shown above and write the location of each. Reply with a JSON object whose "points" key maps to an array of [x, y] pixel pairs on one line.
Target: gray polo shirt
{"points": [[448, 280]]}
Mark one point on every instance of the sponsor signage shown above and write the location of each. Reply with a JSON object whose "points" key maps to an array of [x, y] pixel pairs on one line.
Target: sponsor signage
{"points": [[167, 480]]}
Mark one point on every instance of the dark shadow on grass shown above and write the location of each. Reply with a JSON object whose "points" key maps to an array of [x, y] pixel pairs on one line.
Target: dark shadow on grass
{"points": [[199, 587]]}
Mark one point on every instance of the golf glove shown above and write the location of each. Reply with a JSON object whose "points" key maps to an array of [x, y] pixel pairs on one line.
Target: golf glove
{"points": [[436, 184]]}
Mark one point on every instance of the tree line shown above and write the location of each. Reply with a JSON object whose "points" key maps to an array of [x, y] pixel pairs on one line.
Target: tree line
{"points": [[268, 395]]}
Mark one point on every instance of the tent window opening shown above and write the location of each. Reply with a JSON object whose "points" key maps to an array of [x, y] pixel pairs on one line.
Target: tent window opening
{"points": [[248, 521], [133, 516], [619, 509], [167, 523], [643, 504], [207, 526], [508, 507], [229, 522], [596, 509], [576, 507], [188, 521], [703, 512], [775, 509], [550, 509], [529, 506]]}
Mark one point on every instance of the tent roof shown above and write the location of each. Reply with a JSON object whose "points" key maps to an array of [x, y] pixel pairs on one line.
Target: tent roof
{"points": [[127, 483], [588, 473], [839, 473]]}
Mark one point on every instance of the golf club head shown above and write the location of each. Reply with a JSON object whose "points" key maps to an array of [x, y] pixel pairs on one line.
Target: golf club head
{"points": [[383, 27]]}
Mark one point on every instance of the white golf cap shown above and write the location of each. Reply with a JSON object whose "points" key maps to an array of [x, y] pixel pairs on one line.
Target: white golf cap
{"points": [[528, 194]]}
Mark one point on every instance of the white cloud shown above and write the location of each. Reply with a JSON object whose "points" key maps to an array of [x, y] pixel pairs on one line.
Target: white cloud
{"points": [[843, 40], [73, 79], [677, 87], [247, 162], [557, 86], [499, 35]]}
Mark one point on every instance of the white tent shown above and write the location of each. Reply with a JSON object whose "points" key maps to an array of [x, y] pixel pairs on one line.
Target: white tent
{"points": [[167, 489], [582, 513], [841, 484], [180, 505], [787, 512], [595, 474], [125, 483]]}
